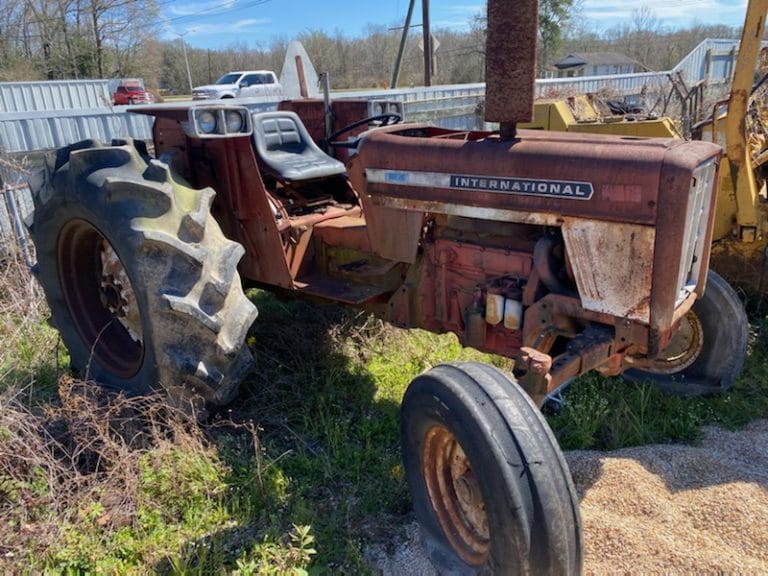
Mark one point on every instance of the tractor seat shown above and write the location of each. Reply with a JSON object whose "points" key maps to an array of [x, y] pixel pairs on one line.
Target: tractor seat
{"points": [[285, 149]]}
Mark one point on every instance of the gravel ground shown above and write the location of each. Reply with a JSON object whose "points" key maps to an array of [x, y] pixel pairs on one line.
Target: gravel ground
{"points": [[670, 509]]}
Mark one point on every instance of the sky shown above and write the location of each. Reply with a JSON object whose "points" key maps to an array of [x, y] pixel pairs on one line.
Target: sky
{"points": [[220, 23]]}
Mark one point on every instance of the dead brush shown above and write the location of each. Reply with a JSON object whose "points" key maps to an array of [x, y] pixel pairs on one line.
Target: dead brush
{"points": [[21, 297], [64, 460], [27, 346]]}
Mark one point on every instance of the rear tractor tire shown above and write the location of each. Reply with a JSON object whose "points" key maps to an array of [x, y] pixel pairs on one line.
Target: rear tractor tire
{"points": [[140, 280], [708, 351], [490, 486]]}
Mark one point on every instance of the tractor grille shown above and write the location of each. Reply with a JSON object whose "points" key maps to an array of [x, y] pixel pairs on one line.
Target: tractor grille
{"points": [[696, 223]]}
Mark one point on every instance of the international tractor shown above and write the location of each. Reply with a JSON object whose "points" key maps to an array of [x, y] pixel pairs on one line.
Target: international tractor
{"points": [[569, 253]]}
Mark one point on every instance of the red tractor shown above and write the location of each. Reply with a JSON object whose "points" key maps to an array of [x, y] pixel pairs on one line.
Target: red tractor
{"points": [[567, 252]]}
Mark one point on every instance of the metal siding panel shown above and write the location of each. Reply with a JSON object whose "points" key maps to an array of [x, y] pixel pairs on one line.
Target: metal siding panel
{"points": [[54, 95]]}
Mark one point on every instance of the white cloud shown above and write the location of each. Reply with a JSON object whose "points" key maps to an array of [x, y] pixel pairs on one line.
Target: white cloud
{"points": [[469, 9], [195, 8], [670, 13], [455, 15], [224, 28]]}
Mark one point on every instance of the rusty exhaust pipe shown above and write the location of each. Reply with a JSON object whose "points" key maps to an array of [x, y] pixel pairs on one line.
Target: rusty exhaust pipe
{"points": [[510, 63]]}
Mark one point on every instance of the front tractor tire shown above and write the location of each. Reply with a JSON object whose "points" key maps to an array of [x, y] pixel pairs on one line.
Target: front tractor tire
{"points": [[140, 280], [490, 486], [708, 351]]}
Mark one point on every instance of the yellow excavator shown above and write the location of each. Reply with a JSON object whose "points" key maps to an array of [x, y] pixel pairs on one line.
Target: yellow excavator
{"points": [[738, 123], [587, 113]]}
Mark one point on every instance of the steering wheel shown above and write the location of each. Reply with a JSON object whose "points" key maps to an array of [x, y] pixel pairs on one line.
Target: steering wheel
{"points": [[384, 120]]}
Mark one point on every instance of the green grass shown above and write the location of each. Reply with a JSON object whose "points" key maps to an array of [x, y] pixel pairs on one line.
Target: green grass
{"points": [[297, 476], [610, 413]]}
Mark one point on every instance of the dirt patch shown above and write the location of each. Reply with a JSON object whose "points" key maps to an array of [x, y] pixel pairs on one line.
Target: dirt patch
{"points": [[659, 509]]}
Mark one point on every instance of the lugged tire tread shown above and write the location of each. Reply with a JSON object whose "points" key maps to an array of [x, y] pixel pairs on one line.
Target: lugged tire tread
{"points": [[197, 352], [242, 315], [159, 238], [190, 308], [194, 223]]}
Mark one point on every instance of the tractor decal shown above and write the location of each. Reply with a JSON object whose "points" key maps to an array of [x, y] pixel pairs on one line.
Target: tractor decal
{"points": [[523, 186]]}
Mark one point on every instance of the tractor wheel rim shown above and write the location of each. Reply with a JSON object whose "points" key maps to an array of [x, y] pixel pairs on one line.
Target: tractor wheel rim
{"points": [[100, 299], [455, 495], [683, 349], [117, 292]]}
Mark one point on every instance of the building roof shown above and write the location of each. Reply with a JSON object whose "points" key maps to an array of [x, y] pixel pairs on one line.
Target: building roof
{"points": [[576, 59]]}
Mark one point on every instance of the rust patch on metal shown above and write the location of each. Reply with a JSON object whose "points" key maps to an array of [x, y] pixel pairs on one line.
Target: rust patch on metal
{"points": [[510, 60], [624, 193], [682, 350], [532, 369], [117, 292], [393, 233], [455, 495], [302, 79], [613, 266]]}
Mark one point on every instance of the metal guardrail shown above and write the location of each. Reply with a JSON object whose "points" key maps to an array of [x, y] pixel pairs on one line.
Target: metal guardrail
{"points": [[30, 131], [711, 61], [40, 96]]}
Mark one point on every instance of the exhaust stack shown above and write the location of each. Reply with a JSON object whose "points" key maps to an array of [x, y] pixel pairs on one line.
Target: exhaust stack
{"points": [[510, 62]]}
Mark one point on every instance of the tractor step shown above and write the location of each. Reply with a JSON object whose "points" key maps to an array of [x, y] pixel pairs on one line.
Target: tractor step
{"points": [[338, 290]]}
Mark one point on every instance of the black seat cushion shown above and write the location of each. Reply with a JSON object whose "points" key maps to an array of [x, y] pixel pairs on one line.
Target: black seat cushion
{"points": [[286, 150]]}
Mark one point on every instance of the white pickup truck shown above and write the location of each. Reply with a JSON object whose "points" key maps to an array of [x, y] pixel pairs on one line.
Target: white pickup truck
{"points": [[242, 84]]}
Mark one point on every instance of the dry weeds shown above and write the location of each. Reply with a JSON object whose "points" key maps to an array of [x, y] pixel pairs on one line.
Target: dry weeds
{"points": [[21, 299], [70, 456], [57, 462]]}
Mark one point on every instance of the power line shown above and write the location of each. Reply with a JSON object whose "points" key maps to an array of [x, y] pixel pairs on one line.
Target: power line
{"points": [[211, 10]]}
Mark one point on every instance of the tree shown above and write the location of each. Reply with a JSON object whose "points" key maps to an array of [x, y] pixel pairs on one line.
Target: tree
{"points": [[554, 16]]}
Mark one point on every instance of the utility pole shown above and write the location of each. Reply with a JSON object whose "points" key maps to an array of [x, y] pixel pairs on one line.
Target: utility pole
{"points": [[186, 60], [401, 49], [427, 43]]}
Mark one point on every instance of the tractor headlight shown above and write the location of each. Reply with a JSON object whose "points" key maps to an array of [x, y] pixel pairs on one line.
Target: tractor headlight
{"points": [[218, 122], [378, 107], [234, 121], [206, 121]]}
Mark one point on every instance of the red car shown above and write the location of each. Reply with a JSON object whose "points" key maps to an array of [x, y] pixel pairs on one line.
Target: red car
{"points": [[128, 94]]}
